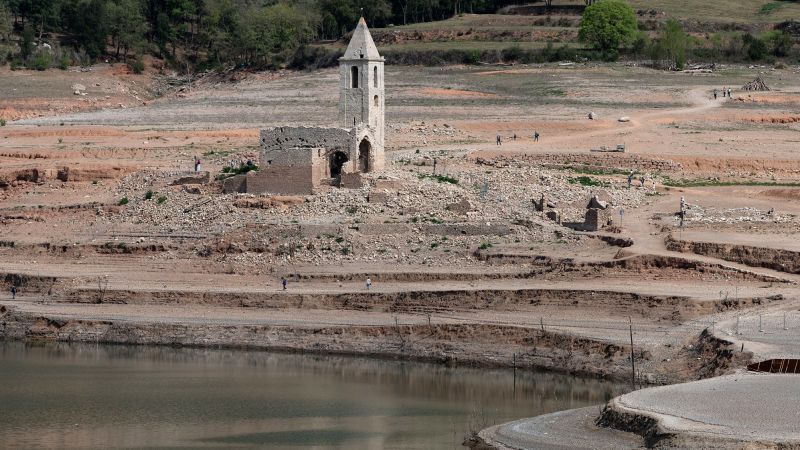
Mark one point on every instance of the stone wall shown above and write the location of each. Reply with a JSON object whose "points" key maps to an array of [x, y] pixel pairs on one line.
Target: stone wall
{"points": [[620, 161], [299, 180], [287, 145], [594, 220], [235, 184]]}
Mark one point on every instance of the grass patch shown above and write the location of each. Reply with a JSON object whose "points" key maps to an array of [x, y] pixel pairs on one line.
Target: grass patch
{"points": [[123, 201], [161, 199], [769, 8], [485, 246], [439, 178], [148, 195], [213, 153], [585, 181]]}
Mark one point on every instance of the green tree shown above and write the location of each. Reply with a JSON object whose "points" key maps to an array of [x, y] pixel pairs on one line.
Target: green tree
{"points": [[640, 44], [89, 26], [126, 25], [756, 48], [608, 24], [779, 42], [671, 45], [6, 22], [26, 44]]}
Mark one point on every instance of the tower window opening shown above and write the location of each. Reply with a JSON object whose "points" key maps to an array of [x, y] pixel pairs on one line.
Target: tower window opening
{"points": [[354, 77], [377, 101], [375, 77]]}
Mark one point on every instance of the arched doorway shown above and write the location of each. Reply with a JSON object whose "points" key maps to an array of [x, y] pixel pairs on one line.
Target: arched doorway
{"points": [[363, 156], [337, 161]]}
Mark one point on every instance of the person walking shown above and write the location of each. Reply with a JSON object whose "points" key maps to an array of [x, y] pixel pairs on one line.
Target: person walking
{"points": [[284, 282], [729, 93], [514, 137], [723, 91], [630, 179], [369, 283], [535, 136], [498, 140], [715, 94], [13, 292]]}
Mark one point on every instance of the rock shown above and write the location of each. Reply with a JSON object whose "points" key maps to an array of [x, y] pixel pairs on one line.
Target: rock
{"points": [[624, 119], [461, 207]]}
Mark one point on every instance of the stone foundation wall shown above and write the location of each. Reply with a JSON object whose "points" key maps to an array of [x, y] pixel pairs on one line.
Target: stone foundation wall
{"points": [[300, 180], [594, 160]]}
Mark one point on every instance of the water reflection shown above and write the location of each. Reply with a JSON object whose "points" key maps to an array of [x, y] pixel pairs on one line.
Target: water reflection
{"points": [[77, 395]]}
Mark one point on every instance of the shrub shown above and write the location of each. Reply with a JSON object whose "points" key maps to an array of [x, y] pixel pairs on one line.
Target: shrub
{"points": [[42, 61], [485, 246], [756, 48], [137, 66], [162, 199], [439, 178], [148, 195], [123, 201], [779, 41], [584, 181], [63, 63], [2, 122]]}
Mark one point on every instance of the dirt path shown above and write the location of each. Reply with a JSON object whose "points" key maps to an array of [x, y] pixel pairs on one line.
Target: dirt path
{"points": [[578, 140]]}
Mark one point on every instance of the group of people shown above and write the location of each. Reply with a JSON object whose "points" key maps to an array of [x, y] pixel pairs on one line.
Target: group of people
{"points": [[725, 91], [285, 283], [642, 179], [535, 137]]}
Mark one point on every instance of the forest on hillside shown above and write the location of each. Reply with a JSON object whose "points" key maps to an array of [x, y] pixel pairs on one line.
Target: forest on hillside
{"points": [[198, 35], [199, 32]]}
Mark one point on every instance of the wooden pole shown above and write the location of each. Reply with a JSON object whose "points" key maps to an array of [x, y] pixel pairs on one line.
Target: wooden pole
{"points": [[633, 364]]}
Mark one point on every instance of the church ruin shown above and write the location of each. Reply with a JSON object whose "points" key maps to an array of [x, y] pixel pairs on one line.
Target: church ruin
{"points": [[298, 160]]}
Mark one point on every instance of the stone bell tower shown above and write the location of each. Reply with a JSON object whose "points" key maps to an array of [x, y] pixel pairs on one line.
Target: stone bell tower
{"points": [[361, 94]]}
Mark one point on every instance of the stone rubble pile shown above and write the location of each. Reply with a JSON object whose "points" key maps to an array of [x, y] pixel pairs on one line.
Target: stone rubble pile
{"points": [[700, 214], [406, 214]]}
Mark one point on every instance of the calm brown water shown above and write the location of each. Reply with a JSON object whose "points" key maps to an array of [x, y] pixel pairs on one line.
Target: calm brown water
{"points": [[97, 396]]}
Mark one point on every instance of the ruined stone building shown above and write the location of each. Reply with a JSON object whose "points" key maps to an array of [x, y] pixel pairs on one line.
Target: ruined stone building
{"points": [[298, 160]]}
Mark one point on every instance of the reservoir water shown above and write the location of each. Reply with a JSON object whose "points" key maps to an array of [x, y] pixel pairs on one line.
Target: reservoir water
{"points": [[101, 396]]}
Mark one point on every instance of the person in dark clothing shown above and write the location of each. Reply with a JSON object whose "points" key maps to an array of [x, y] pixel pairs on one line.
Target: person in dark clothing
{"points": [[535, 136], [284, 282], [13, 292]]}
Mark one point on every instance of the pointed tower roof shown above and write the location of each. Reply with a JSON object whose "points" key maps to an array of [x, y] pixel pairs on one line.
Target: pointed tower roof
{"points": [[361, 44]]}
